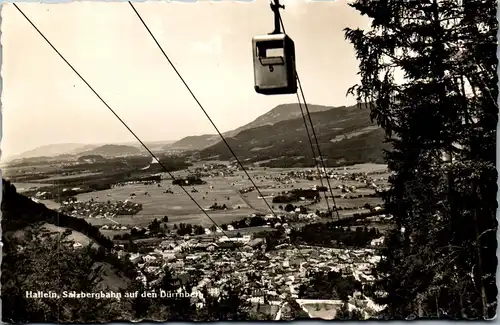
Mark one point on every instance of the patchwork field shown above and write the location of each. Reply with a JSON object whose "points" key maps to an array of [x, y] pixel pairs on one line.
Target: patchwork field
{"points": [[221, 190], [56, 178], [23, 187], [10, 171]]}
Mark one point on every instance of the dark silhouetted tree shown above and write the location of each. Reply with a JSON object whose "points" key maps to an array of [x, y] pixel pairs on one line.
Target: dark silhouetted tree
{"points": [[444, 107]]}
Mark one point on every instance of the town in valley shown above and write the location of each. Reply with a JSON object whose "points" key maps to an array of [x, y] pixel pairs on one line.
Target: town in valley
{"points": [[154, 224]]}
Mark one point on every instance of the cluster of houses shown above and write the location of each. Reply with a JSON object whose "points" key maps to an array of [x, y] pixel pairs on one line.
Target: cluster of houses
{"points": [[266, 278], [114, 227], [214, 170], [135, 182], [42, 195], [312, 174], [290, 178], [96, 209]]}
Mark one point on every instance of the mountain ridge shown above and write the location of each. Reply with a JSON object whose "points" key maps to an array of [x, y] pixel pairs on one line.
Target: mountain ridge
{"points": [[112, 150], [263, 126], [52, 150], [278, 114], [60, 149], [346, 135]]}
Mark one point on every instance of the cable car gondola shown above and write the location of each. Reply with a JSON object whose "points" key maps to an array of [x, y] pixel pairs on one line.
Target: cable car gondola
{"points": [[274, 60]]}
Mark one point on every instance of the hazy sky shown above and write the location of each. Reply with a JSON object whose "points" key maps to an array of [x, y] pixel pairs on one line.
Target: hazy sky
{"points": [[44, 102]]}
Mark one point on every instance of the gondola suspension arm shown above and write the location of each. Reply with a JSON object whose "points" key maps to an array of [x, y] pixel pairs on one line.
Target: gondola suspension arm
{"points": [[275, 7]]}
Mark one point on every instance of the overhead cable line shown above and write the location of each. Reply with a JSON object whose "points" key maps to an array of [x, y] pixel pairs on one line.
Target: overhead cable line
{"points": [[126, 126], [211, 121], [319, 150], [314, 134], [313, 151], [130, 130], [133, 133], [202, 108], [118, 117]]}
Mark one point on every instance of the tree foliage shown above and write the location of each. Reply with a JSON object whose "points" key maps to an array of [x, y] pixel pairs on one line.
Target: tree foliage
{"points": [[441, 262], [293, 311], [228, 306], [46, 262], [344, 313], [331, 285], [35, 259], [18, 211]]}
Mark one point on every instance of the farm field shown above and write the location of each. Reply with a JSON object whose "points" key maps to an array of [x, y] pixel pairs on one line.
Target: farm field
{"points": [[263, 178], [359, 168], [40, 168], [56, 178], [221, 190], [23, 187], [220, 217], [76, 236], [230, 233], [178, 206], [155, 202], [50, 204]]}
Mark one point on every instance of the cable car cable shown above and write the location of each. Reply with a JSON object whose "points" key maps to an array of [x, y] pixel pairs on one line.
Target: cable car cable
{"points": [[117, 116], [312, 149], [319, 150], [202, 108], [314, 133], [133, 133], [211, 121], [130, 130], [264, 77]]}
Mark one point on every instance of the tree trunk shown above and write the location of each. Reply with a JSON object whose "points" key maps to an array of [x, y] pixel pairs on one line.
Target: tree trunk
{"points": [[462, 308], [484, 300], [420, 308]]}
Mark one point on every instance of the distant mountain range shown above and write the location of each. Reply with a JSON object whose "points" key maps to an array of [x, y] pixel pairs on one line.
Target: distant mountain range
{"points": [[112, 150], [194, 142], [279, 113], [64, 150], [277, 138], [346, 135], [52, 150]]}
